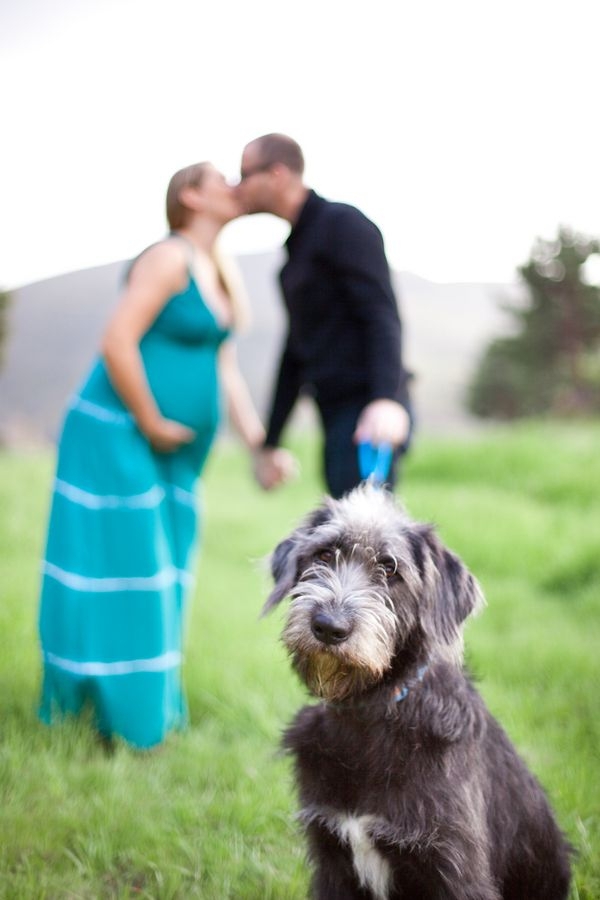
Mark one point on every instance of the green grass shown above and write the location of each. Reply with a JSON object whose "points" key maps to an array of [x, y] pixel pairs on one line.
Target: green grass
{"points": [[210, 815]]}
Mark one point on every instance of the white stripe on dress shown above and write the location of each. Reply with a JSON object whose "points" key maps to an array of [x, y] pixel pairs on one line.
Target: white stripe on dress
{"points": [[100, 412], [161, 663], [181, 495], [147, 500], [163, 579]]}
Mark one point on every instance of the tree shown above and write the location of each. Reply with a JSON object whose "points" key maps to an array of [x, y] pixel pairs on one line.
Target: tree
{"points": [[4, 301], [552, 362]]}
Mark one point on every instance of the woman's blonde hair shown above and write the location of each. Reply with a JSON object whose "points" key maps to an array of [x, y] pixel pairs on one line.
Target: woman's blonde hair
{"points": [[228, 272], [230, 277], [191, 176]]}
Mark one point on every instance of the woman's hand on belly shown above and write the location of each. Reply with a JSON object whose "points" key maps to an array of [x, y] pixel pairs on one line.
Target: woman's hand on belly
{"points": [[166, 435]]}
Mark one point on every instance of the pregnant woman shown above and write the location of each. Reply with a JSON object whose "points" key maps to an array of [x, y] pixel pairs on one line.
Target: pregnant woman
{"points": [[123, 522]]}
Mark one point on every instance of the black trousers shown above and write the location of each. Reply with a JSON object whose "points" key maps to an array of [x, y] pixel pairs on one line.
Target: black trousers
{"points": [[340, 457]]}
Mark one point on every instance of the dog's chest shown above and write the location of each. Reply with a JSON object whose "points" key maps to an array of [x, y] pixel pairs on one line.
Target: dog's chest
{"points": [[358, 834], [347, 770], [372, 869], [345, 763]]}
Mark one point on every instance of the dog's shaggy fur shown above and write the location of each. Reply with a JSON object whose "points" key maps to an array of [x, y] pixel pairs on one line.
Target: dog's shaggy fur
{"points": [[409, 787]]}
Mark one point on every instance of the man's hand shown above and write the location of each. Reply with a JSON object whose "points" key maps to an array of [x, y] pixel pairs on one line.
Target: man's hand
{"points": [[383, 422]]}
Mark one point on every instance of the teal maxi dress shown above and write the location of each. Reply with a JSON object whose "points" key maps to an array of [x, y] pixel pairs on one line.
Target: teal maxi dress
{"points": [[122, 534]]}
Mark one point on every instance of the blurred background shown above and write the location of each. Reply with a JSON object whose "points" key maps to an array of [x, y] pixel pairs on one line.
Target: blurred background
{"points": [[466, 131]]}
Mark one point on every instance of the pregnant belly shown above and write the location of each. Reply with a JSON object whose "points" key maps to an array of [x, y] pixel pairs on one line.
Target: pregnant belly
{"points": [[185, 385]]}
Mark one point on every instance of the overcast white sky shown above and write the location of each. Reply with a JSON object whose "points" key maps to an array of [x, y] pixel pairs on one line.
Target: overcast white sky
{"points": [[464, 129]]}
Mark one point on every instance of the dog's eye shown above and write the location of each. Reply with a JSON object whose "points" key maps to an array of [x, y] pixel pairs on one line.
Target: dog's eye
{"points": [[389, 566], [326, 556]]}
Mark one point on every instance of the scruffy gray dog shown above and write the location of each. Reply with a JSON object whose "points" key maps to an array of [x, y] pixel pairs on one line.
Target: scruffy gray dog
{"points": [[409, 787]]}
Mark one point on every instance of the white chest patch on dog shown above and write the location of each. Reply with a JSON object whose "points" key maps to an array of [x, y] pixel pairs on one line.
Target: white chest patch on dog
{"points": [[372, 869]]}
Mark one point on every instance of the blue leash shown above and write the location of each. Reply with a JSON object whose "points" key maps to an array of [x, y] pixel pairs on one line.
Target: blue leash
{"points": [[374, 461]]}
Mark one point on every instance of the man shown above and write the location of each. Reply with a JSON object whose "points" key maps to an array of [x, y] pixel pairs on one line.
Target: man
{"points": [[344, 332]]}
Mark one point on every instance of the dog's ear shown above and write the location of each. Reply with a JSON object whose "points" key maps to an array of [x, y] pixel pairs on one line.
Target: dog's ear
{"points": [[458, 594], [283, 570], [452, 592], [284, 559]]}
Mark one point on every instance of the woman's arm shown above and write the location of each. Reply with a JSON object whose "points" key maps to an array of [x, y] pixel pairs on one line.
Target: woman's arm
{"points": [[272, 466], [158, 274], [240, 406]]}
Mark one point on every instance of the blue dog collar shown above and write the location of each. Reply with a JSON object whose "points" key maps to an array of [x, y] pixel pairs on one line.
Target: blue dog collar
{"points": [[401, 693]]}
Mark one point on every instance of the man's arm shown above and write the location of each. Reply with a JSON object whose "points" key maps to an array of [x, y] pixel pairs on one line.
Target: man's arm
{"points": [[357, 256], [285, 394]]}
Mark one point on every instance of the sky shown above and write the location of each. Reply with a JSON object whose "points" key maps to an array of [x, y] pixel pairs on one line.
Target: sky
{"points": [[464, 129]]}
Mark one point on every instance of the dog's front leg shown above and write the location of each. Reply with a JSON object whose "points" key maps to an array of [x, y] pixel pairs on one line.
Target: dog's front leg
{"points": [[448, 875], [470, 891], [334, 876]]}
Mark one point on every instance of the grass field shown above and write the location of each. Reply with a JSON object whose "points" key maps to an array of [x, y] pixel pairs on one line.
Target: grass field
{"points": [[210, 815]]}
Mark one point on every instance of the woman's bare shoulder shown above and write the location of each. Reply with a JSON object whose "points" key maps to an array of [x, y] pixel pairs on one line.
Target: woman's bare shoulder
{"points": [[165, 261]]}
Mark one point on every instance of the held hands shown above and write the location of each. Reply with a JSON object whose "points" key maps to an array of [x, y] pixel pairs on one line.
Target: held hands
{"points": [[166, 435], [273, 466], [383, 422]]}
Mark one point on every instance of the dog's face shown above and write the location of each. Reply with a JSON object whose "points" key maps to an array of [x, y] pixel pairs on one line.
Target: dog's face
{"points": [[366, 584]]}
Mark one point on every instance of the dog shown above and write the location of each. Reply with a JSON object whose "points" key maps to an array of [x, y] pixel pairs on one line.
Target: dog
{"points": [[410, 789]]}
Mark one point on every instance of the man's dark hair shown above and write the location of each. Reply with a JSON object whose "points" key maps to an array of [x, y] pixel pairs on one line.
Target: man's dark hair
{"points": [[279, 148]]}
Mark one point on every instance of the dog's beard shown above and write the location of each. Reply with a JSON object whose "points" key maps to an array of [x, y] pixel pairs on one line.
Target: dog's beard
{"points": [[329, 676]]}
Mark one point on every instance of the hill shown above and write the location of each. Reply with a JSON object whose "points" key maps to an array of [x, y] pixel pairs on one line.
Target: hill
{"points": [[55, 325]]}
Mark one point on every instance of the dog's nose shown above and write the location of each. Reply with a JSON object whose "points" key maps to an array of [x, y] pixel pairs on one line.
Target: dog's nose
{"points": [[329, 630]]}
